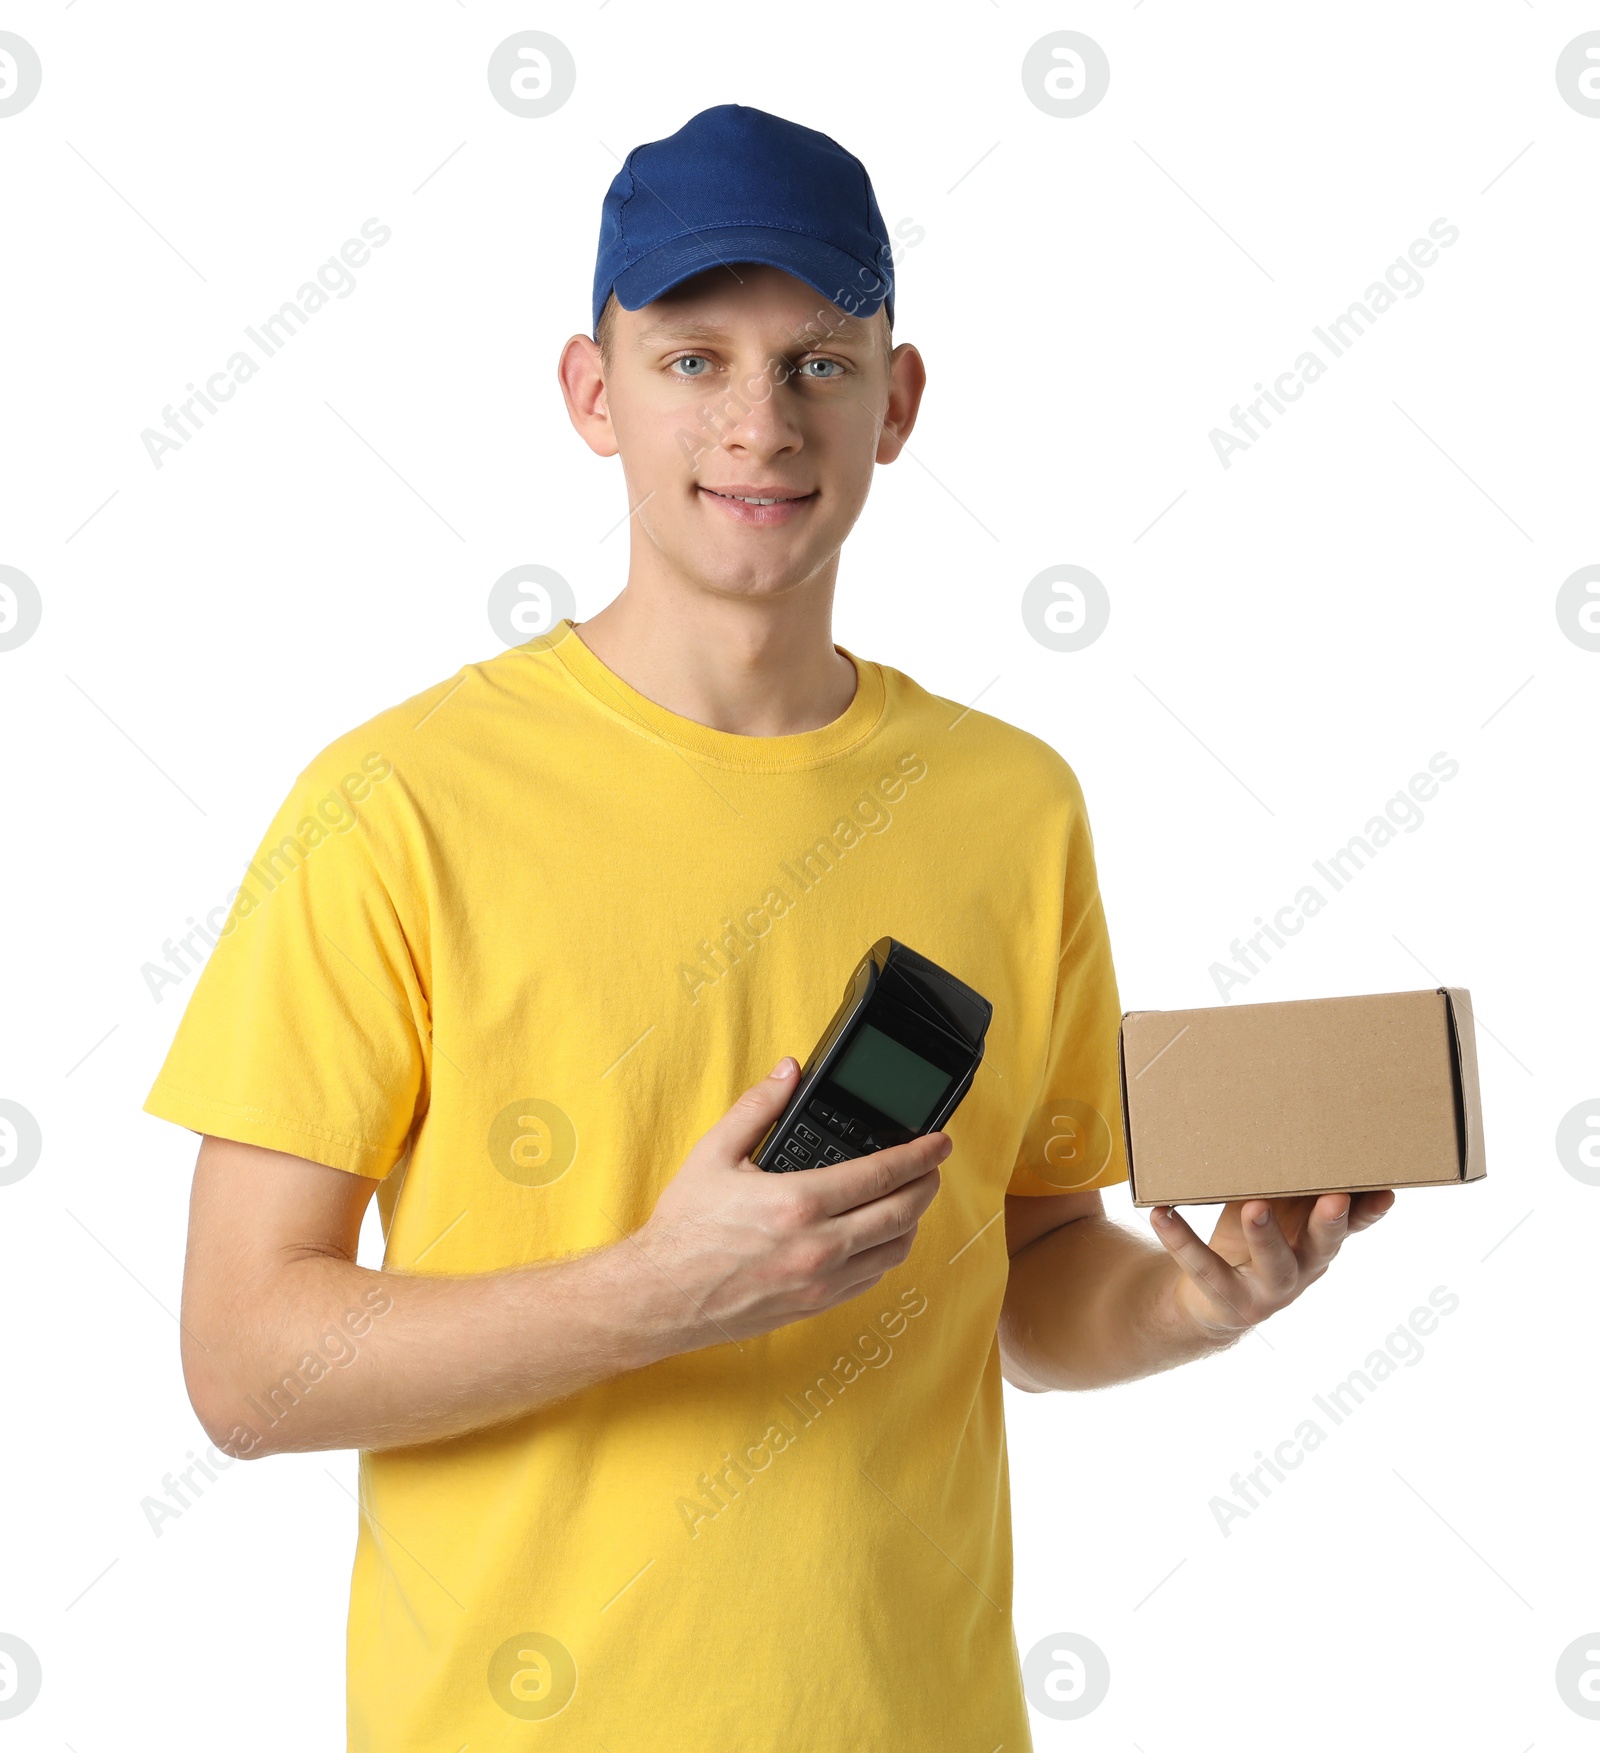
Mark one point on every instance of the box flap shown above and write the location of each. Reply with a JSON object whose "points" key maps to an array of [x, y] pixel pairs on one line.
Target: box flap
{"points": [[1473, 1159], [1127, 1134]]}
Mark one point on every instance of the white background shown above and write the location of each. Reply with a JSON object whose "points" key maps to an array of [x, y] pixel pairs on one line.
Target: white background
{"points": [[1372, 582]]}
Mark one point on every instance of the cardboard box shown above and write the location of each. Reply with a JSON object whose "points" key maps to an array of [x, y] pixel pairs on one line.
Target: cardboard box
{"points": [[1318, 1095]]}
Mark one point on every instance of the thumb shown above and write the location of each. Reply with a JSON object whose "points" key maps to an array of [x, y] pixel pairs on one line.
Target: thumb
{"points": [[745, 1124]]}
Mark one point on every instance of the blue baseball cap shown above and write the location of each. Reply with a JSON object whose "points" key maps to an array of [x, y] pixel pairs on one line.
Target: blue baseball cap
{"points": [[735, 184]]}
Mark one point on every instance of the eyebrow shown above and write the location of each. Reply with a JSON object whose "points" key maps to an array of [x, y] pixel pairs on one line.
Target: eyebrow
{"points": [[679, 329], [687, 329]]}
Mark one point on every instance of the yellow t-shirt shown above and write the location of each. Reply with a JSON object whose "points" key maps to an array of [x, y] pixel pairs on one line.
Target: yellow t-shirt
{"points": [[511, 947]]}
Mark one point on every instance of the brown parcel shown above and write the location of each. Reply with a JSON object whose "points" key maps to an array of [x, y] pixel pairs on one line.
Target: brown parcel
{"points": [[1317, 1095]]}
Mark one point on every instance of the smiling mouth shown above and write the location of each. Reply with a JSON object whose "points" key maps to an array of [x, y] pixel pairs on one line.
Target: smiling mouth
{"points": [[752, 499]]}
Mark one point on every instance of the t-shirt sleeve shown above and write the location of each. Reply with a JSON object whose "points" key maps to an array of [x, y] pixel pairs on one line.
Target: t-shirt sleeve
{"points": [[308, 1029], [1074, 1136]]}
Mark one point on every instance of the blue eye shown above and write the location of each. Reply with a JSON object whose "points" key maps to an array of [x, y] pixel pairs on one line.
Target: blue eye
{"points": [[833, 362], [693, 359]]}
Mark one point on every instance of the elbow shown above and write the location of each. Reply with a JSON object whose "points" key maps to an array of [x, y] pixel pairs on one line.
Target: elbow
{"points": [[1018, 1378], [1012, 1369], [240, 1443], [223, 1414], [232, 1436], [1022, 1384]]}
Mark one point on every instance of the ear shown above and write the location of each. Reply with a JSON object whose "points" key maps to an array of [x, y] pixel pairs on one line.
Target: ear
{"points": [[583, 388], [908, 377]]}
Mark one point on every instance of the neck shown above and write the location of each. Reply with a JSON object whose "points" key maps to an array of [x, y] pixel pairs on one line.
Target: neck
{"points": [[754, 666]]}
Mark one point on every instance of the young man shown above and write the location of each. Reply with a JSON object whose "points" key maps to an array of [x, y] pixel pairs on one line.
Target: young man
{"points": [[660, 1450]]}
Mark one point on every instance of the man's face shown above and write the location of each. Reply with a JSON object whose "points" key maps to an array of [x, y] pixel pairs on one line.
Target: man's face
{"points": [[728, 389]]}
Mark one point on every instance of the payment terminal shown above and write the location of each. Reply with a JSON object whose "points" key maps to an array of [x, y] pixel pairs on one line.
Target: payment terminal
{"points": [[898, 1056]]}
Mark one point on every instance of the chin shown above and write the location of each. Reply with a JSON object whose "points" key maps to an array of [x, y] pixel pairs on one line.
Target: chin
{"points": [[742, 581], [744, 588]]}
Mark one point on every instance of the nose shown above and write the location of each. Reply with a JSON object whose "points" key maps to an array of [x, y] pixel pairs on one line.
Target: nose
{"points": [[757, 420]]}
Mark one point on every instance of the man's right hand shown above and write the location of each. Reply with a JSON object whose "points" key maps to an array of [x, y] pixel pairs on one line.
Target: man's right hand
{"points": [[745, 1251]]}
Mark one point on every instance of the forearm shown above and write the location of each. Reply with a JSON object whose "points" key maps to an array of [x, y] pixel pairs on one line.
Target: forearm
{"points": [[288, 1344], [319, 1353], [1090, 1304]]}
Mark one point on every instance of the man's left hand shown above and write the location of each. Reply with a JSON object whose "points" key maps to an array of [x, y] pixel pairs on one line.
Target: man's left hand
{"points": [[1253, 1268]]}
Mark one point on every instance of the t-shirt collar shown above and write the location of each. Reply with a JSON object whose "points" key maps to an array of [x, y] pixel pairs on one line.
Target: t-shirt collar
{"points": [[806, 748]]}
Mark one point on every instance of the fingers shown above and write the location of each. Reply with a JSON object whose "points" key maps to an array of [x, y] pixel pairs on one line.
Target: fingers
{"points": [[863, 1270], [1293, 1217], [1275, 1269], [896, 1214], [1271, 1258], [1337, 1215], [1208, 1269], [747, 1122], [1367, 1208], [860, 1180], [1325, 1230]]}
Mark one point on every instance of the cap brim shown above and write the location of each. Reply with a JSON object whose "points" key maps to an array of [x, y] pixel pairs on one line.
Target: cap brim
{"points": [[851, 286]]}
